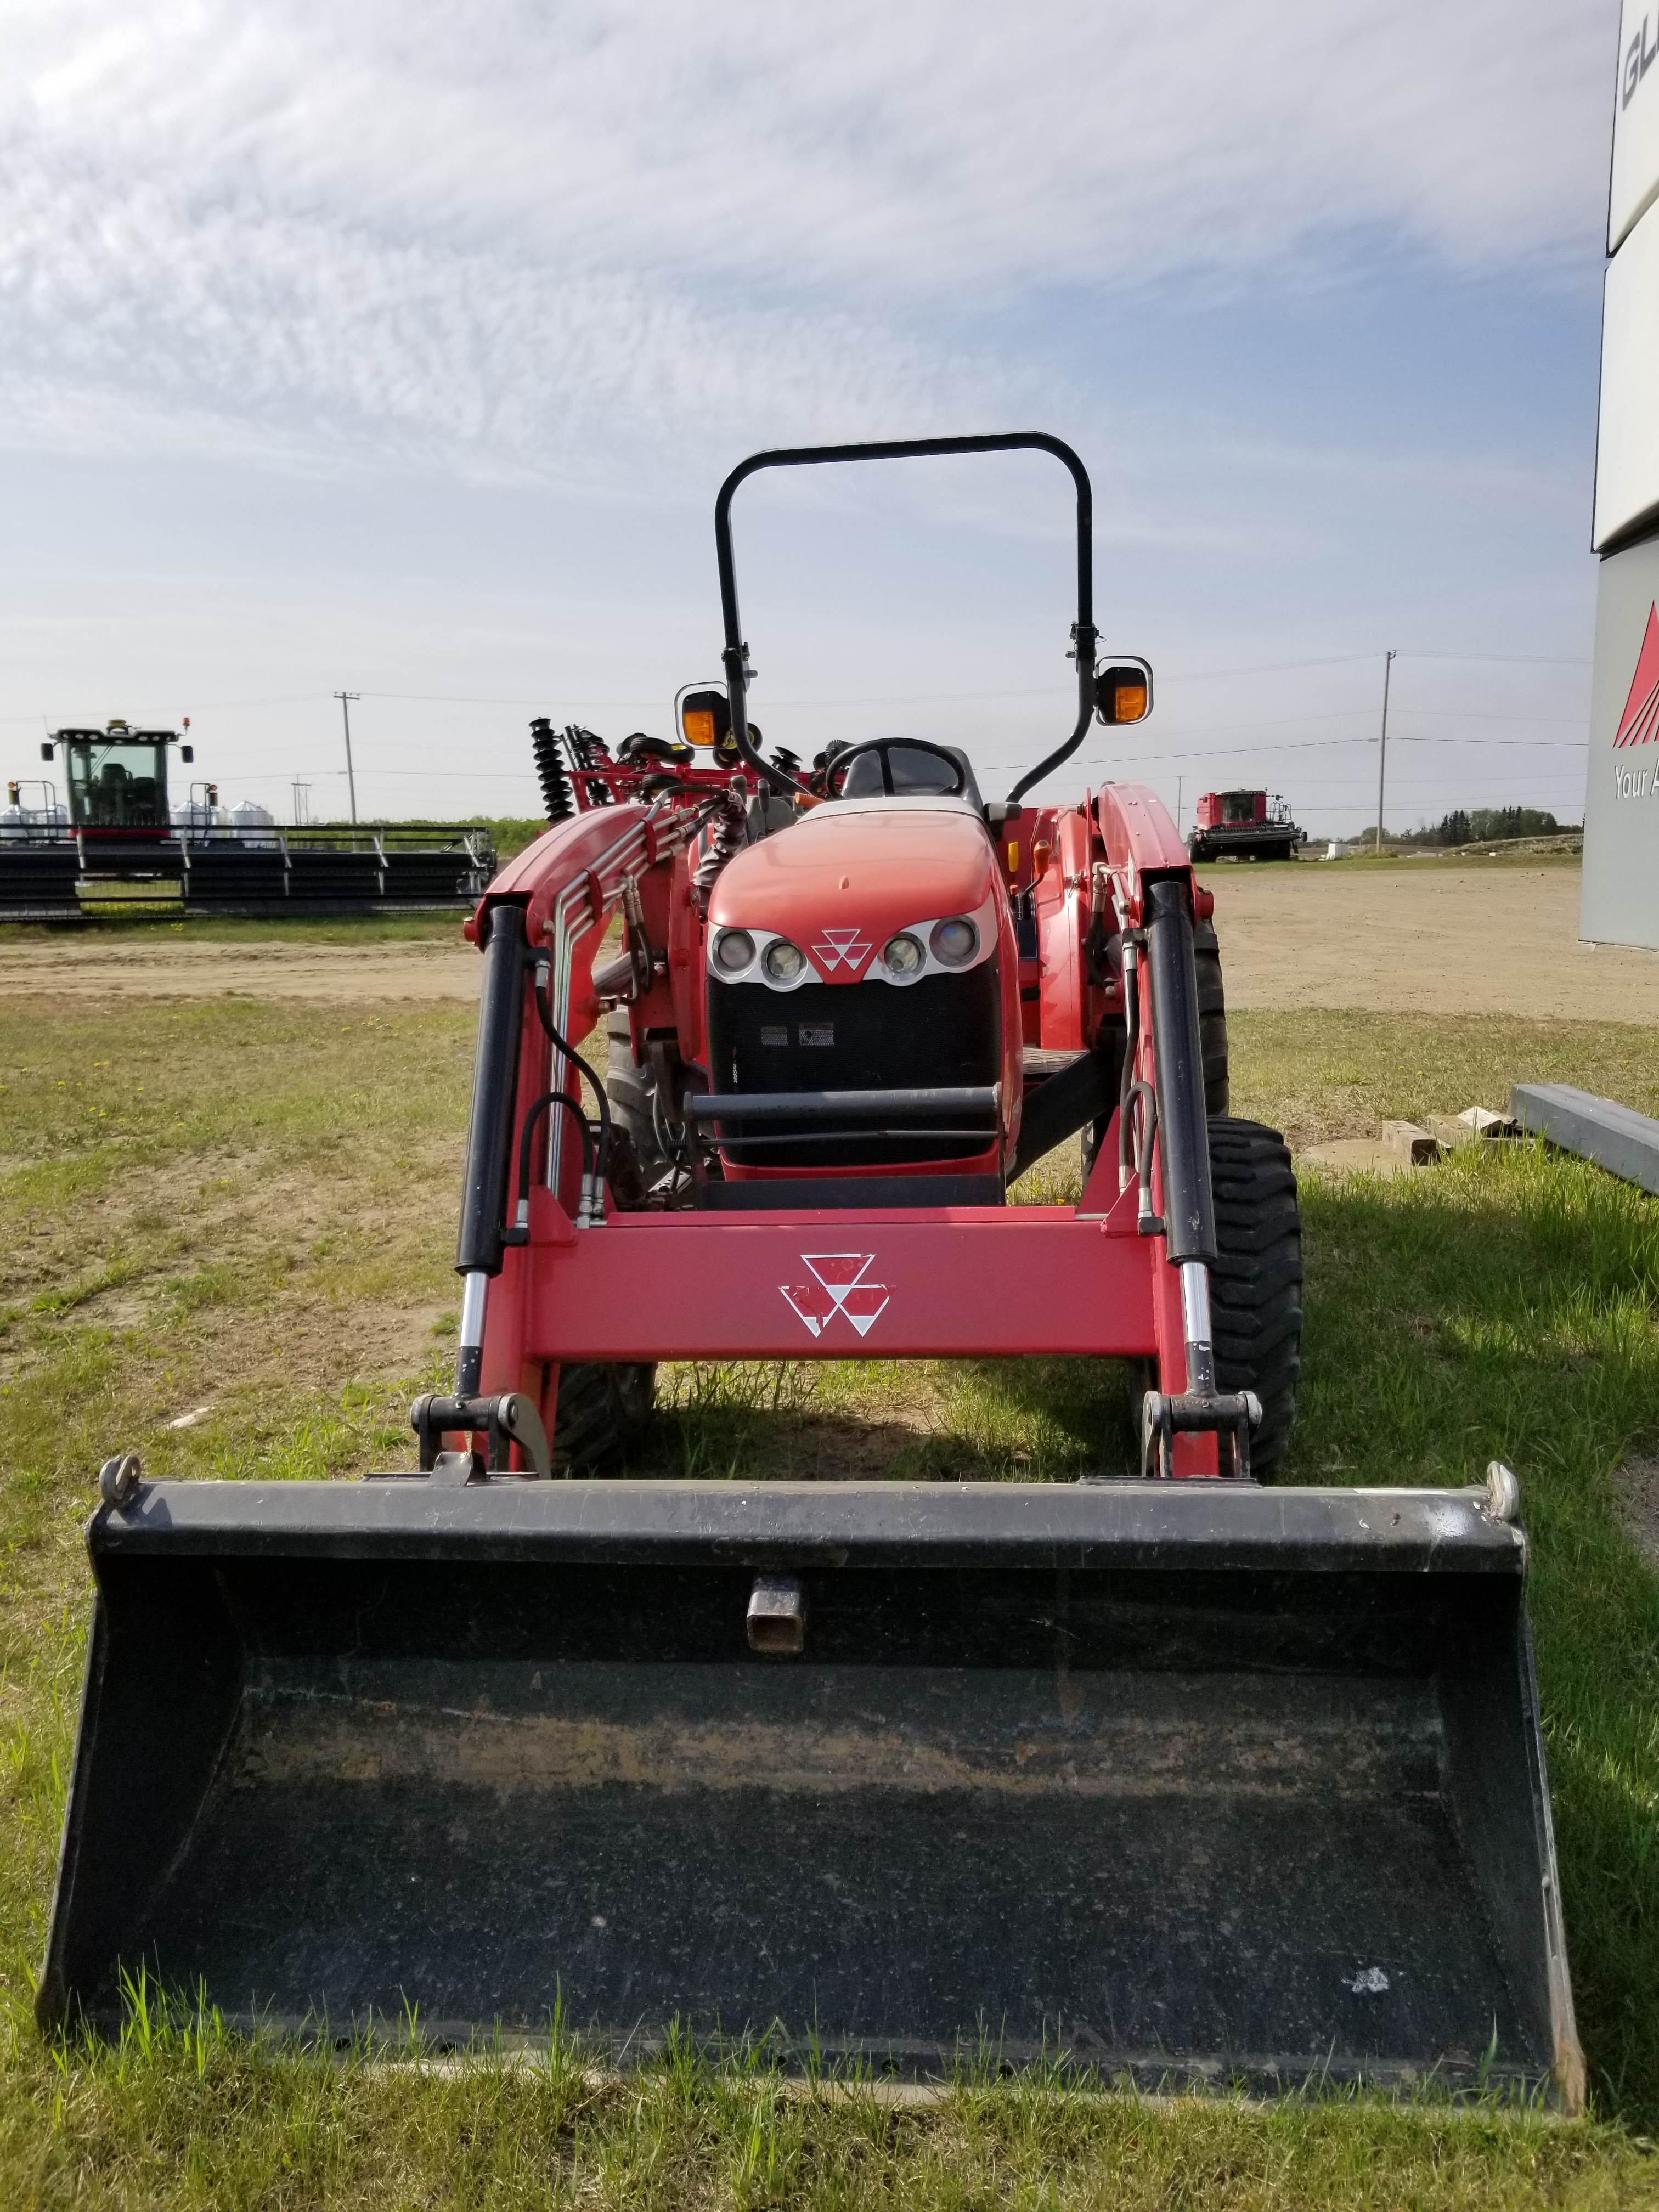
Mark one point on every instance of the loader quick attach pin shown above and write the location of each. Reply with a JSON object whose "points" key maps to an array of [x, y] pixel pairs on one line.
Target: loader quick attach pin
{"points": [[511, 1419]]}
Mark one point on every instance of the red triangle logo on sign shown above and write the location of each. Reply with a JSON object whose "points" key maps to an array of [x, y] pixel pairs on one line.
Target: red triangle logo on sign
{"points": [[1641, 716]]}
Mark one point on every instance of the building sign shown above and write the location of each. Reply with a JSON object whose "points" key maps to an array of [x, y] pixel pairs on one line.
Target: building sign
{"points": [[1635, 121], [1619, 902], [1628, 436]]}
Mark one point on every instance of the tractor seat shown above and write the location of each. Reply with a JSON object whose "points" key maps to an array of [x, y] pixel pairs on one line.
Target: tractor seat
{"points": [[915, 774]]}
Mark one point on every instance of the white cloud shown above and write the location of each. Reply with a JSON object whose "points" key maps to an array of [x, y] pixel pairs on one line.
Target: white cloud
{"points": [[520, 240]]}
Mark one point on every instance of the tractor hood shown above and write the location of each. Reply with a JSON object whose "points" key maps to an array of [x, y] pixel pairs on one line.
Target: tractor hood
{"points": [[843, 880]]}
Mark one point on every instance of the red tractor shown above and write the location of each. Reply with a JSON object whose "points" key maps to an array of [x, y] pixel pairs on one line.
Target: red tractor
{"points": [[1171, 1774], [866, 991]]}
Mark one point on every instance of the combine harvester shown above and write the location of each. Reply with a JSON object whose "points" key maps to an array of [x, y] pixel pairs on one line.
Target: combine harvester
{"points": [[1244, 825], [1185, 1776], [119, 849]]}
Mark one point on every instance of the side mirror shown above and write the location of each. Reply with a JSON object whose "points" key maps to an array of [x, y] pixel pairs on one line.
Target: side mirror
{"points": [[186, 752], [48, 752], [1123, 693]]}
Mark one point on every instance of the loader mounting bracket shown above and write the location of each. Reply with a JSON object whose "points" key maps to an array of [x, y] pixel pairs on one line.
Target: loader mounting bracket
{"points": [[1233, 1415], [509, 1419]]}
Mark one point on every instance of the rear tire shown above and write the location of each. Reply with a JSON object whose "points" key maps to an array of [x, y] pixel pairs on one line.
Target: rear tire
{"points": [[1212, 1017], [631, 1091], [1255, 1284]]}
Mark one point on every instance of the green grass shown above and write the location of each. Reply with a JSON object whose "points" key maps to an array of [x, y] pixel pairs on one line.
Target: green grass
{"points": [[250, 1209], [1318, 1074], [179, 2113]]}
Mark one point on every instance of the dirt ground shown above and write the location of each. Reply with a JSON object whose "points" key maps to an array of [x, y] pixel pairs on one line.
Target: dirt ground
{"points": [[1635, 1486], [148, 962], [1422, 937], [1419, 938]]}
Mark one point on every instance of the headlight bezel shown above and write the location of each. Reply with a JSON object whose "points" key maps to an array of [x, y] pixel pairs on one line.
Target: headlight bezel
{"points": [[730, 938], [905, 968], [753, 974], [954, 961], [782, 949]]}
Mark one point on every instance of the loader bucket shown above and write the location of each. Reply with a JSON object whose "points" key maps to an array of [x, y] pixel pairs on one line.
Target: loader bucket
{"points": [[1186, 1780]]}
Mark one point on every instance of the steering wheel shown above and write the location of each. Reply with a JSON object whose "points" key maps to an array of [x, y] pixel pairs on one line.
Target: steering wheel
{"points": [[835, 777]]}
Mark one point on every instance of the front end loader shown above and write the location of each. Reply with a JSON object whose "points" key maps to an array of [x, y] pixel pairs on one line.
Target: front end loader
{"points": [[1187, 1775]]}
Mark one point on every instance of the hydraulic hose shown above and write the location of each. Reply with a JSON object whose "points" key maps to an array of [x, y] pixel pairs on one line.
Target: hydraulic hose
{"points": [[602, 1156], [519, 1232]]}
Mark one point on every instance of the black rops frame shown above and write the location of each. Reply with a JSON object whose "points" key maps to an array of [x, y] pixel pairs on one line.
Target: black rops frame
{"points": [[1083, 632]]}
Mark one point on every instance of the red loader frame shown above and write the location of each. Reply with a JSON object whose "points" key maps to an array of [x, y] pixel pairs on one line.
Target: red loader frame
{"points": [[574, 1279]]}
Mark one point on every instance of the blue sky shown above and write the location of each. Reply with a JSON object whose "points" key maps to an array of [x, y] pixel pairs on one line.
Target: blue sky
{"points": [[402, 348]]}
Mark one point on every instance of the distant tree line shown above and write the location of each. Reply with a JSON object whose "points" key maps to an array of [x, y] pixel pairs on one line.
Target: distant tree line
{"points": [[1475, 826], [1483, 825]]}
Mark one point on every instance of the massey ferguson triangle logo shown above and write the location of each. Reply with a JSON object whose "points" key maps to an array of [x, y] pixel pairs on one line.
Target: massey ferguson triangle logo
{"points": [[838, 1287], [836, 946], [1640, 719]]}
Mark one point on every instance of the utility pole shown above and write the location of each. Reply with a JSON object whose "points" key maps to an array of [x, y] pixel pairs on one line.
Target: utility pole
{"points": [[345, 699], [1383, 762], [1178, 784]]}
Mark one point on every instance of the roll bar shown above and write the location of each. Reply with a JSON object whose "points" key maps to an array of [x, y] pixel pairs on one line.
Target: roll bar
{"points": [[1083, 632]]}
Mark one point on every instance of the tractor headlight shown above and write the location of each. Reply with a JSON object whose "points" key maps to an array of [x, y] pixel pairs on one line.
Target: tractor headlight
{"points": [[903, 954], [783, 961], [734, 949], [954, 942]]}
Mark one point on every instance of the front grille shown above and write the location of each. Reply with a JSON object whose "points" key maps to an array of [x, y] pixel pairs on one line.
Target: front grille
{"points": [[944, 1030]]}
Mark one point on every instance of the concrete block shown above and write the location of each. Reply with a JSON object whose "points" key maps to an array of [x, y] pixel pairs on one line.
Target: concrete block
{"points": [[1354, 1155], [1476, 1125], [1410, 1142], [1615, 1137]]}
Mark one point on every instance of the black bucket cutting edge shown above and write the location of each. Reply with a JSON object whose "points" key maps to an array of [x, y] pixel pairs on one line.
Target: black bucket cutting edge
{"points": [[1192, 1780]]}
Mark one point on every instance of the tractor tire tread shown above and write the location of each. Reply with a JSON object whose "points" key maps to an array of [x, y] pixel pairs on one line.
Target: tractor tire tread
{"points": [[1212, 1016], [630, 1089], [603, 1407], [1255, 1284]]}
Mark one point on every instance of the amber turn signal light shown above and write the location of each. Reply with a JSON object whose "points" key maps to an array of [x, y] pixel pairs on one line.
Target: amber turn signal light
{"points": [[1123, 693]]}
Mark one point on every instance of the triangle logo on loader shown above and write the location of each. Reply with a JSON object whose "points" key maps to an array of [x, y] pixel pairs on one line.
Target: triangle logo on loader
{"points": [[838, 1286], [1640, 719]]}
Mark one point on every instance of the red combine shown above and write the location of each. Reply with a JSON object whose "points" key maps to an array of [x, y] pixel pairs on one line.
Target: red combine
{"points": [[1244, 825], [1172, 1773]]}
